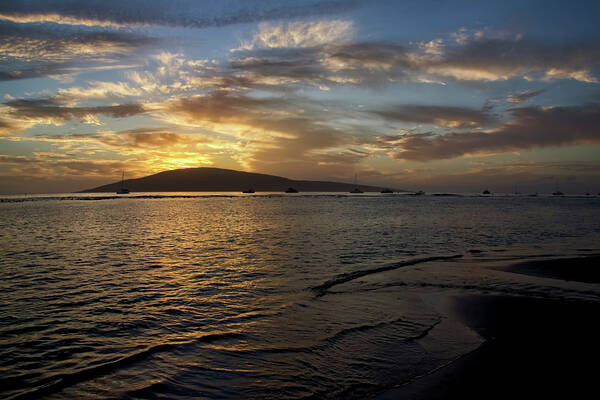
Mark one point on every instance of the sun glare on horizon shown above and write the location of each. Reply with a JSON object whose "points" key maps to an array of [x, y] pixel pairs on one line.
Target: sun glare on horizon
{"points": [[307, 89]]}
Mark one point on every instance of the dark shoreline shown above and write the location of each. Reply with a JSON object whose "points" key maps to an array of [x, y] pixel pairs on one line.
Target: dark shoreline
{"points": [[534, 348], [580, 269]]}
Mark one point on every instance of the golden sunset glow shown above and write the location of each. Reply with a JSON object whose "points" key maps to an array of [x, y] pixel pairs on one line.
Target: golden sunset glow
{"points": [[294, 95]]}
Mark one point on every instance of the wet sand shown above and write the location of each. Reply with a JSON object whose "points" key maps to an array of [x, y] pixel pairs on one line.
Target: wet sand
{"points": [[581, 269], [534, 348]]}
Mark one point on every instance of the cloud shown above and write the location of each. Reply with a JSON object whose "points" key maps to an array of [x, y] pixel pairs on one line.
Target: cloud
{"points": [[524, 95], [444, 116], [63, 71], [268, 130], [301, 34], [139, 151], [51, 111], [361, 64], [54, 164], [278, 55], [130, 141], [39, 44], [275, 117], [8, 127], [494, 59], [507, 177], [144, 139], [98, 90], [531, 127], [36, 51], [184, 13]]}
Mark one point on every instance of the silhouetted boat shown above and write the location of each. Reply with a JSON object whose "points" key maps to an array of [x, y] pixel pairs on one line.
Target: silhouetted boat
{"points": [[248, 191], [419, 193], [291, 190], [486, 192], [356, 189], [557, 192], [387, 190], [122, 190]]}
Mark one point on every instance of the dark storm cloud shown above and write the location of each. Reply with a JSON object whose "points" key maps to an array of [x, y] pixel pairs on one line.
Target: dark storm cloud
{"points": [[48, 109], [531, 127], [184, 13], [523, 96], [446, 116]]}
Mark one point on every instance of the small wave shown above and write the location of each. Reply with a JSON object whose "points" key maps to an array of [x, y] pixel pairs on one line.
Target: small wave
{"points": [[213, 337], [411, 331], [343, 278], [365, 327], [55, 383], [511, 289]]}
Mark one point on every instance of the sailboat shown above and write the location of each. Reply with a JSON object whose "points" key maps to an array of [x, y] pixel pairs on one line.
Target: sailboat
{"points": [[557, 192], [356, 189], [122, 190]]}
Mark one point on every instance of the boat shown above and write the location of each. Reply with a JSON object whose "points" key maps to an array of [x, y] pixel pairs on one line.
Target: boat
{"points": [[557, 192], [356, 188], [487, 192], [122, 189], [248, 191], [419, 193], [291, 190], [387, 190]]}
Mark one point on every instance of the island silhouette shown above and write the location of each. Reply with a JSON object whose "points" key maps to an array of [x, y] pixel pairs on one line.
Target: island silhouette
{"points": [[224, 180]]}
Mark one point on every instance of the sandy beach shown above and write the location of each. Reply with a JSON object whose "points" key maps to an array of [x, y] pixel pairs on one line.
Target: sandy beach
{"points": [[534, 347]]}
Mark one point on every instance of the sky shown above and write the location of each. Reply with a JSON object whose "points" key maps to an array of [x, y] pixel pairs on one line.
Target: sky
{"points": [[431, 95]]}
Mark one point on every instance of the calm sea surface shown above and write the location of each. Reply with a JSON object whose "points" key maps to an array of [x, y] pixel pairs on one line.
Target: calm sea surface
{"points": [[270, 296]]}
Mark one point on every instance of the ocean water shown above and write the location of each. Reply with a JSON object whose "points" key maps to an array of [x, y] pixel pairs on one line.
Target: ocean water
{"points": [[267, 296]]}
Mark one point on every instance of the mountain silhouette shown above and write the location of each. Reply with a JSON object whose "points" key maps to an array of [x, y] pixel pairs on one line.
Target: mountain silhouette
{"points": [[223, 180]]}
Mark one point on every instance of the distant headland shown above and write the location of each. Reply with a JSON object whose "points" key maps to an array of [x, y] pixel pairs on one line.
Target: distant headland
{"points": [[224, 180]]}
